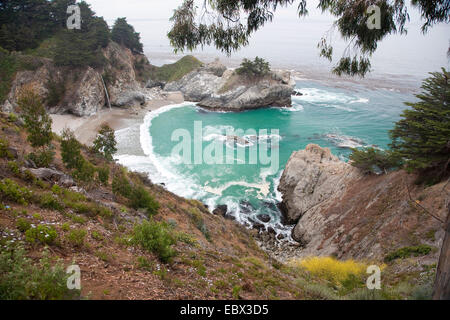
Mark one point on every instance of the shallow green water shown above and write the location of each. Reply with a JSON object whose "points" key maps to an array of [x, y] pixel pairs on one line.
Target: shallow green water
{"points": [[331, 117]]}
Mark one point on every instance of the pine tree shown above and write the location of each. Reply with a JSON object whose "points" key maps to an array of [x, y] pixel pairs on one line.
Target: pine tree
{"points": [[37, 122], [105, 143], [124, 34], [71, 150], [422, 137]]}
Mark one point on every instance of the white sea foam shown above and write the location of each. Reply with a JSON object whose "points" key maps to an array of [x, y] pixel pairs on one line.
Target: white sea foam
{"points": [[163, 170], [328, 98], [343, 141]]}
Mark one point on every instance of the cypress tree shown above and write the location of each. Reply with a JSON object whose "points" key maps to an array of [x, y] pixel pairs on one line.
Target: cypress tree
{"points": [[422, 137]]}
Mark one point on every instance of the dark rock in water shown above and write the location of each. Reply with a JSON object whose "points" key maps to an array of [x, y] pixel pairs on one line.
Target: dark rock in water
{"points": [[264, 217], [229, 216], [163, 184], [246, 207], [256, 225], [271, 230], [221, 210], [280, 236], [297, 93], [272, 206]]}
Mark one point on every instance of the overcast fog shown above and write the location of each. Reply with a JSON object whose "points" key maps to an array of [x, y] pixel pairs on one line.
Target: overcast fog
{"points": [[288, 41]]}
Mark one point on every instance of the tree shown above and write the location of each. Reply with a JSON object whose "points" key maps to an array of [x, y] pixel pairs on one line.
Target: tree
{"points": [[37, 122], [71, 150], [124, 34], [38, 125], [78, 48], [370, 160], [105, 143], [257, 68], [231, 24], [422, 137]]}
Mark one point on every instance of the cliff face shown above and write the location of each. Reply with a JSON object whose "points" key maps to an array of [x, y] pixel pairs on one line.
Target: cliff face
{"points": [[338, 211], [215, 87], [81, 90]]}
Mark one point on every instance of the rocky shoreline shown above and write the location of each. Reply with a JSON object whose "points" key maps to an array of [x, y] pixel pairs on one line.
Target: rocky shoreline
{"points": [[216, 88]]}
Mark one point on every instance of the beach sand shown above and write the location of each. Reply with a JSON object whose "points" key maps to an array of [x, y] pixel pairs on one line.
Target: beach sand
{"points": [[86, 128]]}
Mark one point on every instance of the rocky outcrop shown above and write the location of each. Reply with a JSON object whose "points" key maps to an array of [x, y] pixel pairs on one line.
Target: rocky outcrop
{"points": [[215, 87], [52, 175], [124, 90], [338, 211], [312, 177], [84, 90]]}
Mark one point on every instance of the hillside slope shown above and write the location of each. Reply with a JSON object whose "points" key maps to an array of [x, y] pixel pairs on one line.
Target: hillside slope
{"points": [[90, 224]]}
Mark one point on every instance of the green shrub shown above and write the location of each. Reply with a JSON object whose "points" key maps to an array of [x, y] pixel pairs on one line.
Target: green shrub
{"points": [[42, 233], [37, 121], [371, 160], [141, 199], [121, 185], [155, 237], [406, 252], [21, 279], [42, 157], [71, 150], [11, 191], [28, 176], [76, 237], [138, 196], [12, 117], [144, 263], [14, 168], [85, 173], [65, 227], [236, 292], [256, 68], [23, 224], [49, 201], [77, 219], [96, 236], [199, 222], [4, 153], [103, 175]]}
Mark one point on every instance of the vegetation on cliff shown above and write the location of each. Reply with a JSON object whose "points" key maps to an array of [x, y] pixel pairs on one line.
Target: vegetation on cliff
{"points": [[256, 68], [181, 251], [175, 71], [124, 34], [420, 140]]}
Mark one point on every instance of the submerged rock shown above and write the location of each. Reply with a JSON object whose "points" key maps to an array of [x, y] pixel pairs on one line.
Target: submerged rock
{"points": [[264, 218]]}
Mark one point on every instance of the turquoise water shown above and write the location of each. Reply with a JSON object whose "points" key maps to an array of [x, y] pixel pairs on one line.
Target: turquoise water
{"points": [[337, 118]]}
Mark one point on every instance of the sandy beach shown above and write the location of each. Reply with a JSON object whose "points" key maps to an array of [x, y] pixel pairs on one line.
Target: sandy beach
{"points": [[86, 128]]}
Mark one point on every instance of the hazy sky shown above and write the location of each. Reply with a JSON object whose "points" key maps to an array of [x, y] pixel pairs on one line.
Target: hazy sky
{"points": [[289, 40]]}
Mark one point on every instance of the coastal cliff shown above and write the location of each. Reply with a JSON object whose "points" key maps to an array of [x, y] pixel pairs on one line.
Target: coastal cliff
{"points": [[339, 211], [215, 87], [81, 91]]}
